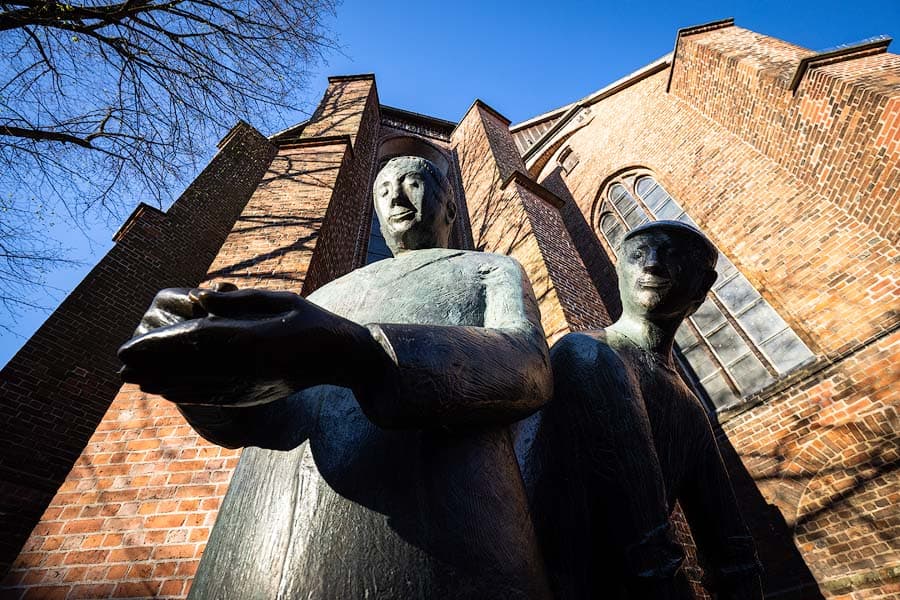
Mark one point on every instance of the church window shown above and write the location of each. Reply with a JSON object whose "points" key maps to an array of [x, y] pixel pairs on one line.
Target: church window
{"points": [[736, 344], [378, 249], [612, 229], [567, 159]]}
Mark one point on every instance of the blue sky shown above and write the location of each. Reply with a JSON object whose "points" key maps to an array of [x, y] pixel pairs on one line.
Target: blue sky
{"points": [[523, 58]]}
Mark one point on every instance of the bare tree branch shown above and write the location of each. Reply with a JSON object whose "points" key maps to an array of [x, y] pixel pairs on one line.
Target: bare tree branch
{"points": [[105, 104]]}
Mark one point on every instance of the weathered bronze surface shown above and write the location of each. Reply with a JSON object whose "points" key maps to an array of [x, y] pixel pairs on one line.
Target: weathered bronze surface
{"points": [[375, 414], [624, 438]]}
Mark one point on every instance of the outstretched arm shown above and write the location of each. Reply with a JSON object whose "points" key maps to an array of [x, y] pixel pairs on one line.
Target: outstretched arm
{"points": [[278, 425], [231, 361], [447, 375], [258, 347]]}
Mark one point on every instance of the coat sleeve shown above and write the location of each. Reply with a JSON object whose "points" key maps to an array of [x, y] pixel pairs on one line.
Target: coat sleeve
{"points": [[279, 425], [453, 375], [723, 540]]}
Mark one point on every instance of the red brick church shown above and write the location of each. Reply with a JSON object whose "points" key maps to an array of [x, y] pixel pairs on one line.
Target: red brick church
{"points": [[788, 160]]}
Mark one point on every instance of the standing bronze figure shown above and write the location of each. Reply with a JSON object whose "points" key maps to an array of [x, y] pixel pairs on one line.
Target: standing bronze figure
{"points": [[624, 438], [375, 414]]}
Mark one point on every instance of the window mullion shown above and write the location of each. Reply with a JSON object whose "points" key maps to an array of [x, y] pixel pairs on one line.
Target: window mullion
{"points": [[707, 346], [766, 363]]}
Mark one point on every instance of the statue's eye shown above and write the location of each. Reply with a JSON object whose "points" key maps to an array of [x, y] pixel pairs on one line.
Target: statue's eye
{"points": [[415, 184]]}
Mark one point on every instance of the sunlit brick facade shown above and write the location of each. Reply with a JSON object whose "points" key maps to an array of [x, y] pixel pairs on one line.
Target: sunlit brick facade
{"points": [[787, 159]]}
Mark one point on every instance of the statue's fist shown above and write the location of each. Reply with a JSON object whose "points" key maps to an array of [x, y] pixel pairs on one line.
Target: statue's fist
{"points": [[241, 347], [175, 305], [234, 347]]}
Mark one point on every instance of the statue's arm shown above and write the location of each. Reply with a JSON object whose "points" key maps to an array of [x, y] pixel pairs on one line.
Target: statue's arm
{"points": [[278, 425], [446, 375], [227, 369], [712, 511]]}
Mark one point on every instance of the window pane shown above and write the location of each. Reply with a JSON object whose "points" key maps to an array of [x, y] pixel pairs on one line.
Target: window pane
{"points": [[719, 392], [701, 362], [750, 375], [621, 198], [636, 217], [643, 185], [686, 219], [685, 337], [737, 293], [729, 346], [655, 198], [668, 211], [786, 351], [612, 229], [761, 322], [708, 317], [724, 268]]}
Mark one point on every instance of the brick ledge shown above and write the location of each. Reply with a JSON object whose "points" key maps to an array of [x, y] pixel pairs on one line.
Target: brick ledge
{"points": [[534, 187], [862, 49], [694, 30], [135, 217], [323, 140]]}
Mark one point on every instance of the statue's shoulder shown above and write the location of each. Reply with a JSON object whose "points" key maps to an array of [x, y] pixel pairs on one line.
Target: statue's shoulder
{"points": [[590, 346], [488, 262]]}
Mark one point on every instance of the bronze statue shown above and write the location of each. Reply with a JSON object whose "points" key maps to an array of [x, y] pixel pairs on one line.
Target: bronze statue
{"points": [[375, 413], [624, 438]]}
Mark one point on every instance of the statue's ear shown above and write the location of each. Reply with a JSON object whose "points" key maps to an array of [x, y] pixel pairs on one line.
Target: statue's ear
{"points": [[451, 211]]}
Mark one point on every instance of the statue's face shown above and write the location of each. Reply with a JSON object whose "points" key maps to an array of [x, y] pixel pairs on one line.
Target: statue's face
{"points": [[660, 276], [415, 213]]}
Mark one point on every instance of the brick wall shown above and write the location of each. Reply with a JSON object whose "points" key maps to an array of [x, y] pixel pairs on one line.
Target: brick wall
{"points": [[57, 388], [839, 133], [797, 186], [132, 517], [825, 453], [346, 228], [512, 215], [770, 180], [827, 272]]}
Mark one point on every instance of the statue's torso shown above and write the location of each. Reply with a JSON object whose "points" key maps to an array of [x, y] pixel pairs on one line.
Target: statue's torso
{"points": [[361, 512], [681, 431], [582, 457], [678, 420]]}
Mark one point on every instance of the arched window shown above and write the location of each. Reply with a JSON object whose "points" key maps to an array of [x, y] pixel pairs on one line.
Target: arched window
{"points": [[612, 229], [378, 249], [735, 343]]}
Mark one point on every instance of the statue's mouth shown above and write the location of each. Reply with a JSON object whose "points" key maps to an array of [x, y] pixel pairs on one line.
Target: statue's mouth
{"points": [[654, 283], [402, 215]]}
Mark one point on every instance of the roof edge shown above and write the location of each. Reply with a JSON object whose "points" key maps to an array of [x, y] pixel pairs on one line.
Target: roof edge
{"points": [[876, 45], [487, 108], [335, 78], [572, 109], [436, 121], [622, 82], [694, 30]]}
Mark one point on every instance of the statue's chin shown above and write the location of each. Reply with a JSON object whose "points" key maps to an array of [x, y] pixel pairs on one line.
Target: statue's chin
{"points": [[416, 240]]}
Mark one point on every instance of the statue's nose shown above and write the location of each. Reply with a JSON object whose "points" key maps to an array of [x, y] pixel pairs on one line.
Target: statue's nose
{"points": [[398, 197], [653, 264]]}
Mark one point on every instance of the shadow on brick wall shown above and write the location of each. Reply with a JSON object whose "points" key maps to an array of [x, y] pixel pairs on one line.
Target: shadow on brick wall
{"points": [[786, 575], [599, 267]]}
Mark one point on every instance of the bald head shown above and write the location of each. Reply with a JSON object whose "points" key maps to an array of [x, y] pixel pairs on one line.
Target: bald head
{"points": [[414, 204]]}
